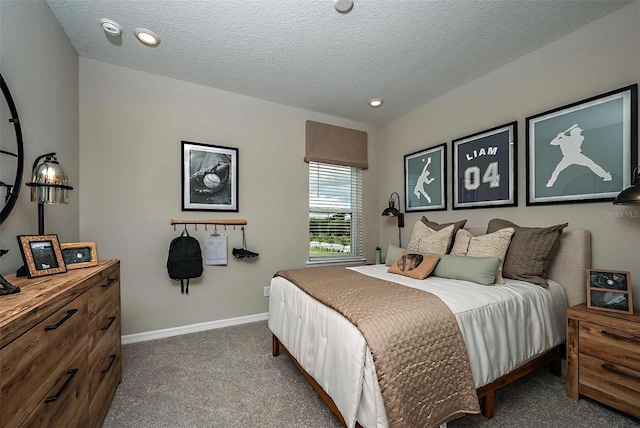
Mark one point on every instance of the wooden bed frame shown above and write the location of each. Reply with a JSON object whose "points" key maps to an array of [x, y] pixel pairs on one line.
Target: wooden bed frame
{"points": [[571, 259]]}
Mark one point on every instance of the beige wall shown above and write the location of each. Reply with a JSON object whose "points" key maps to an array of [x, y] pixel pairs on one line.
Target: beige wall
{"points": [[600, 57], [40, 67], [131, 125]]}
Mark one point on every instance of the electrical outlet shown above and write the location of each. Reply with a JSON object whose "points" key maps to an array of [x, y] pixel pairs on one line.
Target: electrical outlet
{"points": [[266, 291]]}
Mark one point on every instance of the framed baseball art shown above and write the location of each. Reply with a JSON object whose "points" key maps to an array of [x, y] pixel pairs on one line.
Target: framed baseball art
{"points": [[209, 177], [585, 151], [425, 174], [485, 168]]}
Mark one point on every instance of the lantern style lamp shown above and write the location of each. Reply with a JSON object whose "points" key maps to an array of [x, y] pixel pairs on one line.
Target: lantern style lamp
{"points": [[392, 211], [49, 185]]}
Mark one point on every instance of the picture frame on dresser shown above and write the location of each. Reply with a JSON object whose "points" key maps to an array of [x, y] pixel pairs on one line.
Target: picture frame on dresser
{"points": [[609, 290], [425, 174], [209, 177], [79, 255], [42, 255], [584, 151], [485, 171]]}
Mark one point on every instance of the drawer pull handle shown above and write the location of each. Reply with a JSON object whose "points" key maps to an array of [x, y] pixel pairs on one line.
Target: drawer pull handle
{"points": [[109, 282], [618, 337], [620, 372], [113, 358], [71, 374], [70, 313], [106, 327]]}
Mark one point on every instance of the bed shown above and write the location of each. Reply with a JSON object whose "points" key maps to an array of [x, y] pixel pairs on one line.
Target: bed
{"points": [[526, 332]]}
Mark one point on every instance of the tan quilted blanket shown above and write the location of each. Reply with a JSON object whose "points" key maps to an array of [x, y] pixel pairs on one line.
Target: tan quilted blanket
{"points": [[419, 354]]}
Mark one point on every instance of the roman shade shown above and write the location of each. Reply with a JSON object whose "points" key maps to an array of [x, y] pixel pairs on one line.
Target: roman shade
{"points": [[336, 145]]}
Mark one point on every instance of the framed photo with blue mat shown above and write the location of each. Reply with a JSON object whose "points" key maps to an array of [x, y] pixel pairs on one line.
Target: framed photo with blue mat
{"points": [[485, 168], [425, 174], [585, 151]]}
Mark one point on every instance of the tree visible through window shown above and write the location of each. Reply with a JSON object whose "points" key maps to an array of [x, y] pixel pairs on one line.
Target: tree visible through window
{"points": [[335, 212]]}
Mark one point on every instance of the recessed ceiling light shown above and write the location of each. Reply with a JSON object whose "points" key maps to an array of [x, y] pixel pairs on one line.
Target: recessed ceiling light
{"points": [[147, 37], [343, 6], [376, 102], [110, 27]]}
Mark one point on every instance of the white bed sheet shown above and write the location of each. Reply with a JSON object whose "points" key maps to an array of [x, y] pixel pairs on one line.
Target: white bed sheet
{"points": [[503, 326]]}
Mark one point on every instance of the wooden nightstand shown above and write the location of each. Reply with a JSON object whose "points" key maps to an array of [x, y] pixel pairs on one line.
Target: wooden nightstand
{"points": [[603, 357]]}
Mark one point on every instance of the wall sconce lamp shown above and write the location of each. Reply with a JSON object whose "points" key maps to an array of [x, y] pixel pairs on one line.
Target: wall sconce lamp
{"points": [[630, 195], [392, 211], [49, 185]]}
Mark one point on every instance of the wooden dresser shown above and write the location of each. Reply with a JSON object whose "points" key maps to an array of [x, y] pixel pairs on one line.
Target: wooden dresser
{"points": [[603, 357], [60, 359]]}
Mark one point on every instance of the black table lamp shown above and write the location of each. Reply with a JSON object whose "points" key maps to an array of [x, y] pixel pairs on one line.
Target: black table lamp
{"points": [[392, 211]]}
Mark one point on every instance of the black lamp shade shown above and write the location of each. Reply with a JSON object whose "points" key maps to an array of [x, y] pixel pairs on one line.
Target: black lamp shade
{"points": [[630, 195], [391, 212]]}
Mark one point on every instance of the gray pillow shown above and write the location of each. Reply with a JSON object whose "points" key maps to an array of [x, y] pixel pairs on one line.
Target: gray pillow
{"points": [[528, 256], [481, 270]]}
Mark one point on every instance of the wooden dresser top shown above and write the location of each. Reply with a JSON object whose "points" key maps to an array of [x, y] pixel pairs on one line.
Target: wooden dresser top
{"points": [[40, 297]]}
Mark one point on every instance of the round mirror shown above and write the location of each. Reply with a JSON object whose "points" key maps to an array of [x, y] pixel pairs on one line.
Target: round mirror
{"points": [[11, 153]]}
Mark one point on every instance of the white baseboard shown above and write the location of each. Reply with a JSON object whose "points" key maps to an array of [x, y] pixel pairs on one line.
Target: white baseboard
{"points": [[193, 328]]}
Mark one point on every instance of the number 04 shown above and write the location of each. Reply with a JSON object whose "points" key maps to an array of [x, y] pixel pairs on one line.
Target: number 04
{"points": [[472, 177]]}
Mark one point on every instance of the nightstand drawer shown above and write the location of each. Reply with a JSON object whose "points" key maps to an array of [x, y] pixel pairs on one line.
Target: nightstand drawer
{"points": [[610, 383], [616, 346]]}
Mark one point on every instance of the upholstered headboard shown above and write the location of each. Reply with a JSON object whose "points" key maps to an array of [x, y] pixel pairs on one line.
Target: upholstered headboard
{"points": [[570, 260]]}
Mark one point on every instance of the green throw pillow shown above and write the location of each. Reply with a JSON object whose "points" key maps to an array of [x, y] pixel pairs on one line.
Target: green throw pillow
{"points": [[393, 253], [481, 270]]}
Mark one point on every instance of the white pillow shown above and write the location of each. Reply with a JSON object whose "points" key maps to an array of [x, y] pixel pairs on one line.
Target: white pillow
{"points": [[426, 240], [493, 244]]}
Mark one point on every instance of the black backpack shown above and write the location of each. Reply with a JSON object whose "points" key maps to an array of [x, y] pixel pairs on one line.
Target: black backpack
{"points": [[185, 259]]}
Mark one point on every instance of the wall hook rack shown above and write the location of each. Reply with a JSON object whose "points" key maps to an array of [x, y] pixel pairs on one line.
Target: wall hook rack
{"points": [[225, 223]]}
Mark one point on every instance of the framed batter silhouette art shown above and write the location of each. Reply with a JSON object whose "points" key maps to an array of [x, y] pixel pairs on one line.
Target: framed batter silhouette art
{"points": [[585, 151], [485, 168], [425, 174]]}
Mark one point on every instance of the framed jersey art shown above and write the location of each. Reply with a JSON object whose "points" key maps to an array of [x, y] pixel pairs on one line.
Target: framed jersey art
{"points": [[485, 168]]}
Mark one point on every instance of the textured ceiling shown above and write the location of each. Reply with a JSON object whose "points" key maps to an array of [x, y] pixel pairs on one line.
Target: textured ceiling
{"points": [[305, 54]]}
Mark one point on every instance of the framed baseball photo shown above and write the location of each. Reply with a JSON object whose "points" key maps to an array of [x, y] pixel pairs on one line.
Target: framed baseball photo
{"points": [[585, 151], [78, 255], [609, 290], [209, 177], [425, 174], [485, 168], [42, 255]]}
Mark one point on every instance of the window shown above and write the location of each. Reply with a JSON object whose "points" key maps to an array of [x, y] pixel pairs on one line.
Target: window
{"points": [[335, 213]]}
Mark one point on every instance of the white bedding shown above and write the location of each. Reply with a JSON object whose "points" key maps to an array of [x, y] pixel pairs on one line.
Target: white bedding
{"points": [[503, 326]]}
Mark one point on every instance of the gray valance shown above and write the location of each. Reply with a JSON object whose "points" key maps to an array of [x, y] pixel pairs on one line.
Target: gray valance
{"points": [[336, 145]]}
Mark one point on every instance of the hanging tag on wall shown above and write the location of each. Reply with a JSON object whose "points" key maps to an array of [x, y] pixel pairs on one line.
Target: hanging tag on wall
{"points": [[215, 250]]}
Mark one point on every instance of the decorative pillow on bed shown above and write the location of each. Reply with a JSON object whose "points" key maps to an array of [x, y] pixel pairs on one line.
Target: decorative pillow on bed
{"points": [[528, 256], [426, 240], [393, 253], [489, 245], [435, 226], [414, 265], [481, 270]]}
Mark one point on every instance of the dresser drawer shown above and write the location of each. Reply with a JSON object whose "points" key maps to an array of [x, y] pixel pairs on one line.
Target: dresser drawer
{"points": [[65, 403], [31, 364], [610, 383], [104, 384], [103, 359], [104, 313], [609, 344]]}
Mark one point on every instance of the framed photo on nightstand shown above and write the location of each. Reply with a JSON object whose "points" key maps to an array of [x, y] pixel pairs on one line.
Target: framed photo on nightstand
{"points": [[609, 290]]}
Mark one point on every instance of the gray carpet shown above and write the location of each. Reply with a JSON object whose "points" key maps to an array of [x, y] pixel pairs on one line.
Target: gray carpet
{"points": [[228, 378]]}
